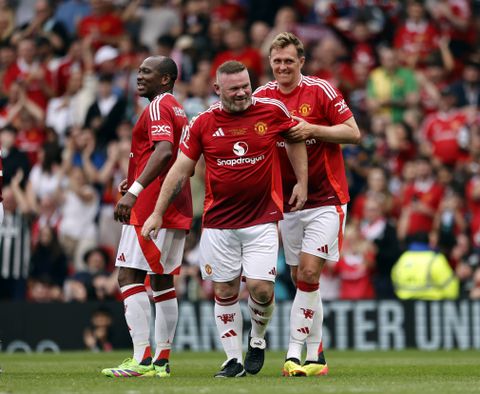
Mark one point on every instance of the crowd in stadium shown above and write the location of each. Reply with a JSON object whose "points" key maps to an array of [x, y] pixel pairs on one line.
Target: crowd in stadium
{"points": [[410, 73]]}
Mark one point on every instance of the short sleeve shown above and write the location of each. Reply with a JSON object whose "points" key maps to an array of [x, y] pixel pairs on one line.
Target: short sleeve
{"points": [[190, 143], [160, 121]]}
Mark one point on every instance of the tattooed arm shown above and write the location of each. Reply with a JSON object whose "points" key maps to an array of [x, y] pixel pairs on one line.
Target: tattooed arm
{"points": [[181, 170]]}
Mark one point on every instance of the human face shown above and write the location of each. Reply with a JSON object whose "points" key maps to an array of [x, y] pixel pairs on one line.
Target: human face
{"points": [[286, 66], [235, 91], [149, 81]]}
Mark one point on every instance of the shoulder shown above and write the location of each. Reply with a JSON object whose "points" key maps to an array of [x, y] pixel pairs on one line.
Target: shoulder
{"points": [[321, 86], [206, 115], [274, 104], [266, 89]]}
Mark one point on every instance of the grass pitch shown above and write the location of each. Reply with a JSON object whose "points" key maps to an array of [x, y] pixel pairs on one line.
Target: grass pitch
{"points": [[350, 372]]}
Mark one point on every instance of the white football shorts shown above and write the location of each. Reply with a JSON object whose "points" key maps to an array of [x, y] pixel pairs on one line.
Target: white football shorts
{"points": [[316, 231], [159, 256], [251, 252]]}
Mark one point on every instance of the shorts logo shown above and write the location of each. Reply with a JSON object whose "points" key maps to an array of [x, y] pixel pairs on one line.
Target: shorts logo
{"points": [[227, 318], [261, 128], [305, 109], [273, 271], [240, 148], [304, 330], [208, 269], [323, 249], [307, 313], [121, 258]]}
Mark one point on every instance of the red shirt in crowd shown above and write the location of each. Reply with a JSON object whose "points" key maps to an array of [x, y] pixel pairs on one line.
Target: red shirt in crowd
{"points": [[429, 193], [416, 40], [249, 56], [109, 25], [162, 120], [243, 185], [318, 102], [443, 130]]}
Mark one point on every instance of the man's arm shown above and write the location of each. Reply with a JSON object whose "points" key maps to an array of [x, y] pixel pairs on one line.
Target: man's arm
{"points": [[343, 133], [181, 170], [297, 154], [156, 164]]}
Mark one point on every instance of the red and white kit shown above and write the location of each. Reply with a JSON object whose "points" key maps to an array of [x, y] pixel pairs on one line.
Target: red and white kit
{"points": [[243, 179], [319, 103], [162, 120]]}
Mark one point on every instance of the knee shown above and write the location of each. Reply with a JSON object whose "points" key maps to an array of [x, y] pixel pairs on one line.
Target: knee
{"points": [[308, 275], [262, 292], [225, 291]]}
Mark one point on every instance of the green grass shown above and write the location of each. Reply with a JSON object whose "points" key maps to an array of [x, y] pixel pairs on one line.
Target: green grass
{"points": [[350, 372]]}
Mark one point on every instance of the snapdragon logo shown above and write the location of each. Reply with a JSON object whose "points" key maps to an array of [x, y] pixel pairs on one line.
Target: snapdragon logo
{"points": [[240, 148]]}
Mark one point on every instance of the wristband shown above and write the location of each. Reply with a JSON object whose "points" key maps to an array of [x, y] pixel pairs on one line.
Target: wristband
{"points": [[135, 189]]}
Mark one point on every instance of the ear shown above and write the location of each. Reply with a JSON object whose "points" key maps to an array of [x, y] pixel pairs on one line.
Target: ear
{"points": [[217, 88], [302, 62], [166, 79]]}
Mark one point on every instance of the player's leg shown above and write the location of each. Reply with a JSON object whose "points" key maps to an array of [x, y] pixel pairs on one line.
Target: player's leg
{"points": [[291, 230], [322, 241], [171, 243], [137, 316], [220, 253], [166, 318], [260, 256]]}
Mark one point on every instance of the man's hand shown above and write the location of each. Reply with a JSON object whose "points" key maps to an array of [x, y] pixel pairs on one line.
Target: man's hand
{"points": [[299, 197], [152, 226], [299, 132], [122, 187], [124, 207]]}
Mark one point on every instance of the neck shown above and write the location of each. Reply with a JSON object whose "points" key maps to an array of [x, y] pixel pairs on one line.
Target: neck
{"points": [[287, 88]]}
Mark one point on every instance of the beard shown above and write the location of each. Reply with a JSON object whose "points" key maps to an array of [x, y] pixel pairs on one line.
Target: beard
{"points": [[236, 105]]}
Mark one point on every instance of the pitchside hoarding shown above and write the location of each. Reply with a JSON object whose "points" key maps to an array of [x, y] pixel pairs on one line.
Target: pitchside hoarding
{"points": [[360, 325]]}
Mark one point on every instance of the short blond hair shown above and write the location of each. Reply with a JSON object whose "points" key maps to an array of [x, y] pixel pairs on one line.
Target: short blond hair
{"points": [[285, 39]]}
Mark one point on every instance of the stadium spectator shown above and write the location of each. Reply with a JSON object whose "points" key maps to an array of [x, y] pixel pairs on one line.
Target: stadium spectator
{"points": [[102, 26], [48, 260], [154, 20], [420, 201], [106, 112], [378, 228], [98, 335], [13, 159], [467, 89], [34, 76], [356, 266], [417, 36], [155, 141], [391, 89], [235, 40], [44, 25], [424, 274], [313, 235], [79, 204], [239, 236], [70, 12]]}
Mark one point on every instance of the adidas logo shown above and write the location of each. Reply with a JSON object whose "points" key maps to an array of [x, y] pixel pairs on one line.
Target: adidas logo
{"points": [[304, 330], [273, 271], [323, 249], [218, 133], [229, 334], [121, 258]]}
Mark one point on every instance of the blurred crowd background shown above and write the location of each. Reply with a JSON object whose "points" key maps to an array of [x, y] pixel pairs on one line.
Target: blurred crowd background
{"points": [[409, 70]]}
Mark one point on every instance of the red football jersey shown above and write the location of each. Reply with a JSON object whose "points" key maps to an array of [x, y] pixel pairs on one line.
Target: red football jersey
{"points": [[243, 185], [318, 102], [443, 130], [162, 120]]}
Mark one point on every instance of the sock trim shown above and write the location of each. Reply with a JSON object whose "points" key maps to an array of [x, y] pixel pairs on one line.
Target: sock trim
{"points": [[133, 290], [226, 301], [170, 295], [308, 287]]}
